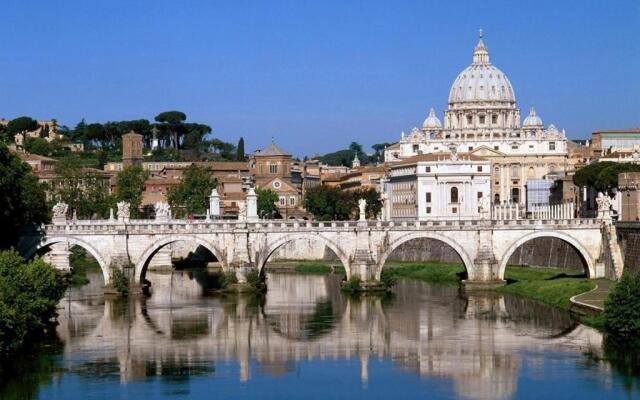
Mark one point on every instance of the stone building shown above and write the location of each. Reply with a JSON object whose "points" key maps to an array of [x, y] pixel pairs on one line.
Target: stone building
{"points": [[440, 185], [274, 168], [482, 119], [605, 142]]}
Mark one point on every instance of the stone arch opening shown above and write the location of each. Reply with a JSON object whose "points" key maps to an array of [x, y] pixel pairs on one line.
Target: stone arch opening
{"points": [[45, 247], [542, 242], [161, 248], [427, 247], [309, 241]]}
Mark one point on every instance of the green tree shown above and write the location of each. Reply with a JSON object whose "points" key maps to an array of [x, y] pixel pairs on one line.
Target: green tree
{"points": [[378, 148], [21, 125], [602, 175], [130, 185], [85, 190], [267, 199], [192, 194], [171, 122], [240, 154], [374, 202], [329, 203], [38, 146], [22, 198], [29, 294], [622, 309]]}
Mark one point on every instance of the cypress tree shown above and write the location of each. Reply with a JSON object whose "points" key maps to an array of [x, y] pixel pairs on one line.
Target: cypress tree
{"points": [[240, 150]]}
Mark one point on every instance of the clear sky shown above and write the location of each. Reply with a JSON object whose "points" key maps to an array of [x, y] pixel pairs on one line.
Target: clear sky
{"points": [[315, 75]]}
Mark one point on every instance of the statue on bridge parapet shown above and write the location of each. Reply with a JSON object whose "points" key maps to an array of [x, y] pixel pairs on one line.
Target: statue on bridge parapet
{"points": [[484, 207], [123, 211], [162, 211], [604, 207], [60, 210], [362, 204]]}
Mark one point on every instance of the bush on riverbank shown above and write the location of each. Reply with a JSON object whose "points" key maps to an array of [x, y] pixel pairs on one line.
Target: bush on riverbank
{"points": [[553, 286], [622, 309], [120, 282], [29, 294]]}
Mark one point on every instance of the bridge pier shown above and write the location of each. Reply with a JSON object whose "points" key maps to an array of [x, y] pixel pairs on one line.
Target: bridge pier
{"points": [[59, 256]]}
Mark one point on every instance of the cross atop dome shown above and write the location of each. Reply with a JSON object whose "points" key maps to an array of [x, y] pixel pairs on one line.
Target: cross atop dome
{"points": [[480, 53]]}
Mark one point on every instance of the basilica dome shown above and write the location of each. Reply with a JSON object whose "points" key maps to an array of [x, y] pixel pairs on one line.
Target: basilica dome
{"points": [[432, 122], [532, 120], [481, 81]]}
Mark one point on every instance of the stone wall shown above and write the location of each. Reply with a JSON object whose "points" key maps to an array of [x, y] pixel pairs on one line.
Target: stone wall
{"points": [[629, 241], [546, 252]]}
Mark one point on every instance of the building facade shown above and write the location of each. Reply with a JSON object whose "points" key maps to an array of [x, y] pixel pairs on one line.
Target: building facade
{"points": [[439, 185], [482, 119]]}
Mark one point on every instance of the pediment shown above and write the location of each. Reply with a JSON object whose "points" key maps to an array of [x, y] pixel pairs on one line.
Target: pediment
{"points": [[484, 151]]}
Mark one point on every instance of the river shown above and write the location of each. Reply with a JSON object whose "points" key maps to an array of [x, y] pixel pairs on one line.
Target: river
{"points": [[306, 339]]}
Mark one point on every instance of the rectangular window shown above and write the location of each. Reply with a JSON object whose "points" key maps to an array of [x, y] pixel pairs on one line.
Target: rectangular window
{"points": [[416, 147], [273, 169], [292, 201], [454, 210], [479, 168], [482, 119], [283, 201], [470, 148], [531, 146], [494, 119], [427, 169], [480, 195], [428, 197], [552, 145], [469, 119], [497, 182], [428, 210], [495, 147]]}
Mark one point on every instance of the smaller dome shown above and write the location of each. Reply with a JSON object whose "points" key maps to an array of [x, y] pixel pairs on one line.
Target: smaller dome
{"points": [[532, 120], [432, 122]]}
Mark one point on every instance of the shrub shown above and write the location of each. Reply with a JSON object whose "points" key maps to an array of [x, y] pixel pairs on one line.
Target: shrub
{"points": [[228, 278], [622, 309], [352, 285], [255, 280], [120, 281], [387, 279]]}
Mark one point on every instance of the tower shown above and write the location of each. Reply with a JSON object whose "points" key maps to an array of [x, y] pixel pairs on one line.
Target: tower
{"points": [[131, 149]]}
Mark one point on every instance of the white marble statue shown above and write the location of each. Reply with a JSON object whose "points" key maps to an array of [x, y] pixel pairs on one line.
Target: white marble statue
{"points": [[60, 210], [123, 211], [362, 204], [604, 206], [242, 211], [163, 210]]}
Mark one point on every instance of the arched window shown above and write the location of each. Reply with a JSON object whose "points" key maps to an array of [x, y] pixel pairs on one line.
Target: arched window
{"points": [[454, 194], [496, 199]]}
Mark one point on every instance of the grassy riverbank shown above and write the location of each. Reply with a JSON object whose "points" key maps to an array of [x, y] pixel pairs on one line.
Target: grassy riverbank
{"points": [[551, 286], [432, 271]]}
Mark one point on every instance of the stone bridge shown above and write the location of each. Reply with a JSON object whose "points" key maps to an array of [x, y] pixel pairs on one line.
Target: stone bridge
{"points": [[484, 246]]}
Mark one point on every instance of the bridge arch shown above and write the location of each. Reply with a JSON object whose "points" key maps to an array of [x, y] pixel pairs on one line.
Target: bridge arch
{"points": [[467, 261], [589, 263], [72, 241], [275, 245], [151, 250]]}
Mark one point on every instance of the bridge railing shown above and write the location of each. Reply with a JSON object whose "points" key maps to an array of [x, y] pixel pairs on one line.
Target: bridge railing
{"points": [[173, 225]]}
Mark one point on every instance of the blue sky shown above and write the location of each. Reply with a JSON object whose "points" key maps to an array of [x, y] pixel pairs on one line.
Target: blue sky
{"points": [[314, 75]]}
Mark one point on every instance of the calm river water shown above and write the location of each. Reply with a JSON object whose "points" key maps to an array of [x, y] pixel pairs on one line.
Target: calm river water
{"points": [[305, 339]]}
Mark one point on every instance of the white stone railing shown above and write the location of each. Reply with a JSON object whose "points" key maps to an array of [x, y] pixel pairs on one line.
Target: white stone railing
{"points": [[181, 225]]}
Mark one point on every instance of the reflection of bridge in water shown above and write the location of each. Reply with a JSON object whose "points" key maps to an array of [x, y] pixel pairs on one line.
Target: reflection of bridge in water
{"points": [[474, 340]]}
